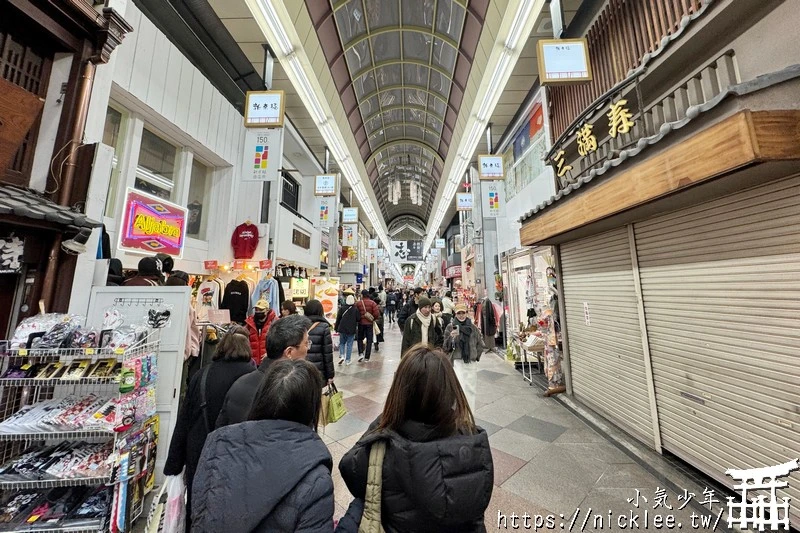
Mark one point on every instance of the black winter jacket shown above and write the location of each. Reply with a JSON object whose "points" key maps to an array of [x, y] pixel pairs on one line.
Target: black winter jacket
{"points": [[240, 397], [263, 476], [412, 334], [430, 482], [406, 312], [347, 320], [190, 429], [321, 351]]}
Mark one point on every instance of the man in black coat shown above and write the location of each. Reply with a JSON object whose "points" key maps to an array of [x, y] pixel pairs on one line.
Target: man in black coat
{"points": [[288, 338], [408, 309]]}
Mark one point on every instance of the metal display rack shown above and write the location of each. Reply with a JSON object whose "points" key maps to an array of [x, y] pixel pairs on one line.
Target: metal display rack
{"points": [[18, 393]]}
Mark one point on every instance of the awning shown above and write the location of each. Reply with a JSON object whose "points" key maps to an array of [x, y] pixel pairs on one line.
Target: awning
{"points": [[27, 203]]}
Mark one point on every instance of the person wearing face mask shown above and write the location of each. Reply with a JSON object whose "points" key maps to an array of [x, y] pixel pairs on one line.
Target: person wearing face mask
{"points": [[258, 325], [464, 343], [422, 327]]}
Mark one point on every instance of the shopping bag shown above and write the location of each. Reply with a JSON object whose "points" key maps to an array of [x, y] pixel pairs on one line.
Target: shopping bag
{"points": [[336, 408], [175, 511], [155, 519], [336, 340], [324, 408], [376, 330]]}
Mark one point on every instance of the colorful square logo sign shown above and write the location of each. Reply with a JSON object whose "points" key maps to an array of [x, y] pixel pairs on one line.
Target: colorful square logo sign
{"points": [[261, 157], [324, 213], [494, 200], [150, 224]]}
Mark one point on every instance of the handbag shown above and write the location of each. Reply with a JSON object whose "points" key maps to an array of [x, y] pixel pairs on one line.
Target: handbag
{"points": [[175, 508], [367, 314], [376, 330], [371, 518], [336, 408], [324, 408]]}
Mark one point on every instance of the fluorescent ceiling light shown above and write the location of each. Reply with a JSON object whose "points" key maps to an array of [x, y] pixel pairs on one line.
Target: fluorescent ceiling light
{"points": [[523, 13], [307, 93], [274, 23]]}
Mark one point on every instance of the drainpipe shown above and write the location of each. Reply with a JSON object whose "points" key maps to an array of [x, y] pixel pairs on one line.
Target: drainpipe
{"points": [[80, 114]]}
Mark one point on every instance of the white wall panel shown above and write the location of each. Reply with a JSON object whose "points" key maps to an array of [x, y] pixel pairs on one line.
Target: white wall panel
{"points": [[213, 119], [142, 59], [126, 51], [158, 74], [195, 103], [184, 92]]}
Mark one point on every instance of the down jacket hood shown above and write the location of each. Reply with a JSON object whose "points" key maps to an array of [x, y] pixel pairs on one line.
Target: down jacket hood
{"points": [[430, 482], [247, 469]]}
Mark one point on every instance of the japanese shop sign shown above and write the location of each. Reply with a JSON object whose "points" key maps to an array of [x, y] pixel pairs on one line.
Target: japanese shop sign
{"points": [[211, 265], [11, 252], [492, 205], [263, 154], [325, 185], [440, 243], [350, 215], [372, 244], [453, 272], [325, 209], [490, 167], [299, 287], [349, 235], [239, 264], [264, 109], [406, 251], [152, 225], [464, 201], [564, 61]]}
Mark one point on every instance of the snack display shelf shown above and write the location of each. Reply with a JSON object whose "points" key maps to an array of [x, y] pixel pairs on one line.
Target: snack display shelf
{"points": [[67, 354], [26, 382], [66, 529], [61, 435], [54, 483]]}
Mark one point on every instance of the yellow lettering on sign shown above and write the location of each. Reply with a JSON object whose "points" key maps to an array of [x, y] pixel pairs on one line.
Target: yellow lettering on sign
{"points": [[559, 160], [149, 225], [587, 142], [619, 119]]}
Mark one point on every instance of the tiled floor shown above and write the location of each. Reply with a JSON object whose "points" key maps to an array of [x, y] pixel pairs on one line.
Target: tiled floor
{"points": [[547, 460]]}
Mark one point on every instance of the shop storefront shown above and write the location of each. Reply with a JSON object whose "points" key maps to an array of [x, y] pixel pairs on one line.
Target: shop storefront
{"points": [[680, 290]]}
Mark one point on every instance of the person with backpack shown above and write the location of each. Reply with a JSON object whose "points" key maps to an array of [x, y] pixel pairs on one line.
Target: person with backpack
{"points": [[368, 311], [346, 326], [391, 305]]}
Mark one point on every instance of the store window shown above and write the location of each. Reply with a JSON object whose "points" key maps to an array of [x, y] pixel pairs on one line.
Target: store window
{"points": [[112, 127], [290, 197], [155, 173], [113, 137], [197, 205]]}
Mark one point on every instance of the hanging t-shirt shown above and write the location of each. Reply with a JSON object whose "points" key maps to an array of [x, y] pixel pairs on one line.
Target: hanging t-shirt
{"points": [[237, 300], [207, 298], [244, 241]]}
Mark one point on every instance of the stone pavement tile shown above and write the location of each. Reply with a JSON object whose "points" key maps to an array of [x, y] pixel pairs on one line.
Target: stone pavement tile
{"points": [[489, 375], [549, 486], [603, 500], [539, 429], [337, 452], [626, 476], [341, 495], [338, 511], [505, 466], [348, 425], [505, 503], [351, 441], [497, 414], [581, 434], [368, 413], [517, 444], [490, 428], [603, 451], [357, 402]]}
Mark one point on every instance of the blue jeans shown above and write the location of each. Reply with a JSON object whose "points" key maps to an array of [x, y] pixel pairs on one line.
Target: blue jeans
{"points": [[346, 345]]}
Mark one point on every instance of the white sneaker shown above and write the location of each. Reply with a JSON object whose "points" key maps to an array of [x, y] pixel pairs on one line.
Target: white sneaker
{"points": [[341, 360], [360, 358], [348, 363]]}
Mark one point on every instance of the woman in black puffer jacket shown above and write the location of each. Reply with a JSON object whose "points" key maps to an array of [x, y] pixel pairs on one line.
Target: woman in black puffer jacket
{"points": [[320, 353], [438, 472]]}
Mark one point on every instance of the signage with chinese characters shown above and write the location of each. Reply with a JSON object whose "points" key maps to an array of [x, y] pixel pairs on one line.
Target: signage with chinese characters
{"points": [[380, 253], [453, 272], [152, 225], [299, 287], [265, 264], [373, 256], [325, 210], [406, 251], [263, 154], [350, 215], [490, 167], [464, 201], [264, 109], [440, 243], [239, 264], [11, 251], [349, 235], [564, 61], [491, 199], [372, 244], [211, 265], [325, 185]]}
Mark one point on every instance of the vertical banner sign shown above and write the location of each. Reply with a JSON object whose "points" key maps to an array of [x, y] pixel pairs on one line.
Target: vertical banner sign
{"points": [[349, 235], [491, 199], [264, 109], [325, 208], [440, 243], [325, 185], [406, 251], [372, 244], [464, 201], [490, 167], [263, 154], [326, 290], [151, 225], [373, 256], [350, 215]]}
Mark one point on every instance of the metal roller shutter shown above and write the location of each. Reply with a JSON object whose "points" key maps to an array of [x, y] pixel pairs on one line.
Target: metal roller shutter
{"points": [[721, 289], [606, 357]]}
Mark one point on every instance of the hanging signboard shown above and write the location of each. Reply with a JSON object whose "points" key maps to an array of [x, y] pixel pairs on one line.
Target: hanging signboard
{"points": [[349, 235], [263, 154], [12, 249], [325, 210], [406, 251], [564, 61], [299, 287], [453, 272], [440, 243], [491, 199], [264, 109], [373, 256], [372, 244], [490, 167], [380, 253], [325, 185], [211, 265], [265, 264], [350, 215], [152, 225], [464, 201]]}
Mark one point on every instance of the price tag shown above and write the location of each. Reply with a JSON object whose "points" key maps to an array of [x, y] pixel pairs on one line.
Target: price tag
{"points": [[23, 352], [89, 351]]}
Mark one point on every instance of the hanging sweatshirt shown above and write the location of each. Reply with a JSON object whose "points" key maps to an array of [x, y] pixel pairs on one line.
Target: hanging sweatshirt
{"points": [[267, 289], [244, 241], [237, 300]]}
